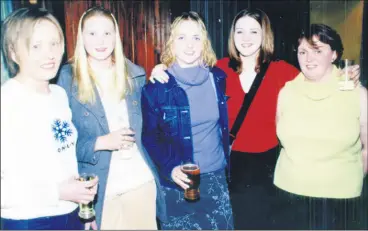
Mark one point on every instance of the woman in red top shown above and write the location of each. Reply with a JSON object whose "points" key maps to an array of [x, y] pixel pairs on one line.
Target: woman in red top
{"points": [[255, 149]]}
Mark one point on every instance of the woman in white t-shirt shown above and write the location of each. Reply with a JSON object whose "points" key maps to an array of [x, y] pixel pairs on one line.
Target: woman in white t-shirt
{"points": [[39, 189]]}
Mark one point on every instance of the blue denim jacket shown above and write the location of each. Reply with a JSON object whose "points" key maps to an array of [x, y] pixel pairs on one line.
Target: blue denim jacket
{"points": [[167, 133], [90, 121]]}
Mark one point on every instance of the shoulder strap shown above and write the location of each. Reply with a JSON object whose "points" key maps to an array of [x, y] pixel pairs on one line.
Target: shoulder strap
{"points": [[248, 98]]}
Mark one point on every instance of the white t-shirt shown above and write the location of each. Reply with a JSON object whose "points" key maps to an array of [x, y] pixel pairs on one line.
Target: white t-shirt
{"points": [[128, 170], [38, 151]]}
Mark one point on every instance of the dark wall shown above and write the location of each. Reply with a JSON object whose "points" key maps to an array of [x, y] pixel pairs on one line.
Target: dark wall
{"points": [[145, 24], [287, 17], [54, 7]]}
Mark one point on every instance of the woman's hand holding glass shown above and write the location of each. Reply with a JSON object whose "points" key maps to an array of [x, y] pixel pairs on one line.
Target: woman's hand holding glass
{"points": [[179, 177], [117, 140], [78, 191], [350, 72], [354, 74]]}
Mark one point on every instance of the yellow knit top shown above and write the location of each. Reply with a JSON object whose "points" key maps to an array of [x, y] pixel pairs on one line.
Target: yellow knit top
{"points": [[319, 129]]}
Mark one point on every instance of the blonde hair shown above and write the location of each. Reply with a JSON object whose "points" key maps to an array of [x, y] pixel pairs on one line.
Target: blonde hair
{"points": [[208, 55], [267, 47], [17, 30], [82, 72]]}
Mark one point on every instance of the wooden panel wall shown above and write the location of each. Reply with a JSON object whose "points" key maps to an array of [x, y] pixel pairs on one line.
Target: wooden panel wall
{"points": [[144, 26]]}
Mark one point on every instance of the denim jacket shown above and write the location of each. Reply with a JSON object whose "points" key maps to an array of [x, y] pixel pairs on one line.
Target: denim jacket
{"points": [[167, 132], [91, 122]]}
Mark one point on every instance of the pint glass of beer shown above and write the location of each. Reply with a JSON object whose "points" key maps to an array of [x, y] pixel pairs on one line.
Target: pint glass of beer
{"points": [[191, 168], [86, 211], [345, 83]]}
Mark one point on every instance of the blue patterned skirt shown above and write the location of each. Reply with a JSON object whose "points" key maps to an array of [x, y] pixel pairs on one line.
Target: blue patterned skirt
{"points": [[212, 212]]}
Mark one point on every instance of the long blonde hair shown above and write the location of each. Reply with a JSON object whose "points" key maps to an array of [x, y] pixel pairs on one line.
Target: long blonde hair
{"points": [[82, 72], [208, 55]]}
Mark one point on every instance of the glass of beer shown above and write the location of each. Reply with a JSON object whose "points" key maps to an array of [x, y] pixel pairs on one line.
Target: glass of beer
{"points": [[86, 211], [191, 169], [345, 83], [124, 152]]}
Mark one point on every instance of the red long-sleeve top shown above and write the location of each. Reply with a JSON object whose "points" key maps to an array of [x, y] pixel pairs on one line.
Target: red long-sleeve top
{"points": [[258, 131]]}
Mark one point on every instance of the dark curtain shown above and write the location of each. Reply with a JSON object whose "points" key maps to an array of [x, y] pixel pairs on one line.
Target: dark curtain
{"points": [[286, 22], [218, 16]]}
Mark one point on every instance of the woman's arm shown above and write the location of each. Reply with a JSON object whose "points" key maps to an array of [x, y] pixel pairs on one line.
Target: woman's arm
{"points": [[86, 144], [90, 147], [18, 189], [154, 140], [280, 100], [363, 126], [158, 74]]}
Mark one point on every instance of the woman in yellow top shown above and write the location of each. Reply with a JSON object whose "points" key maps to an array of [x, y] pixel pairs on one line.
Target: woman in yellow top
{"points": [[323, 133]]}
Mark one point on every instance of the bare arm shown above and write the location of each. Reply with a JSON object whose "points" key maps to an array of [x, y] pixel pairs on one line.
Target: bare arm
{"points": [[280, 99], [363, 126], [158, 74]]}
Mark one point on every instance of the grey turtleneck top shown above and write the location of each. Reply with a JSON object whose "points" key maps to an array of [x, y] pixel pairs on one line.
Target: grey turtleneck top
{"points": [[197, 82]]}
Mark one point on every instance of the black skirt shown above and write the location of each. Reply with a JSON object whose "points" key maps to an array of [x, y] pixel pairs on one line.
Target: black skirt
{"points": [[296, 212], [252, 190]]}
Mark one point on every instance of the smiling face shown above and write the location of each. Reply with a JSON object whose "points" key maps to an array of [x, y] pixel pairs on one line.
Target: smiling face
{"points": [[188, 44], [315, 61], [41, 60], [99, 37], [248, 36]]}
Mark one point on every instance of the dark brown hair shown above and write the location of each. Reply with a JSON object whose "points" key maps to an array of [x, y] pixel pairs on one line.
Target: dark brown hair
{"points": [[267, 46], [326, 35]]}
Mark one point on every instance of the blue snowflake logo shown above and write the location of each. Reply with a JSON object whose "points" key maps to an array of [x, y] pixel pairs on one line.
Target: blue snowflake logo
{"points": [[61, 130]]}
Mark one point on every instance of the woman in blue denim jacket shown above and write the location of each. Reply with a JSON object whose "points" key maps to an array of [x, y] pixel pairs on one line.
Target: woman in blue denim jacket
{"points": [[186, 119], [104, 90]]}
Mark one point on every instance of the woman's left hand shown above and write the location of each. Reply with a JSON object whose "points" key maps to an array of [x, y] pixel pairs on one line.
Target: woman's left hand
{"points": [[180, 178], [354, 74]]}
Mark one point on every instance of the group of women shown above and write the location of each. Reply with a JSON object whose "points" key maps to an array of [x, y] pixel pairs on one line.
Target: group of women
{"points": [[301, 145]]}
